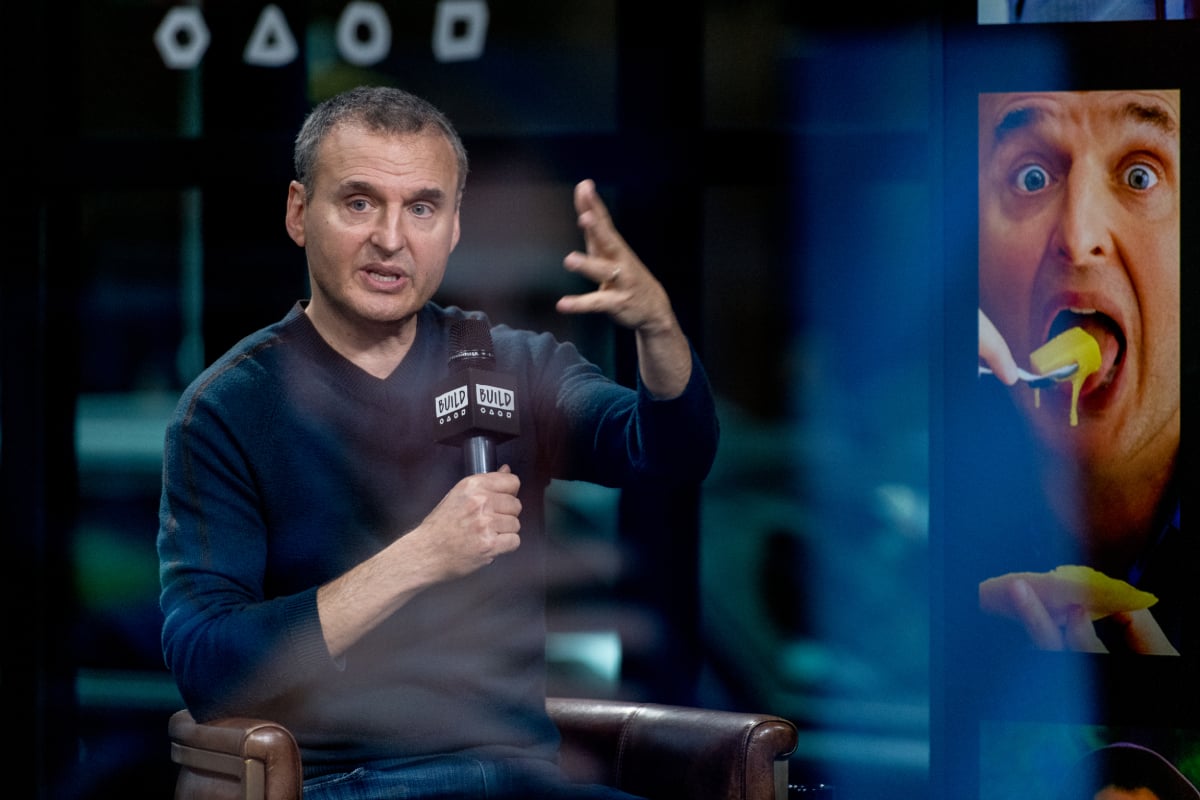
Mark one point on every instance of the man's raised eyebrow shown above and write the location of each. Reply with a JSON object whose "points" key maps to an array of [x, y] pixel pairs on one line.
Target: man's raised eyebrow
{"points": [[356, 187], [429, 194], [1015, 120], [1151, 113]]}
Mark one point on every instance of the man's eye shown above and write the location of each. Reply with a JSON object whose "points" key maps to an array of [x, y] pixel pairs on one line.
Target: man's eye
{"points": [[422, 209], [1032, 178], [358, 205], [1140, 177]]}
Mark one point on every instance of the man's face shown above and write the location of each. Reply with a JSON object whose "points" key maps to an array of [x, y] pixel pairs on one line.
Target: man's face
{"points": [[1079, 226], [378, 227]]}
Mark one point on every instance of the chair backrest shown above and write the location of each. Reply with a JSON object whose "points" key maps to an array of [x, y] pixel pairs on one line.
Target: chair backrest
{"points": [[660, 751]]}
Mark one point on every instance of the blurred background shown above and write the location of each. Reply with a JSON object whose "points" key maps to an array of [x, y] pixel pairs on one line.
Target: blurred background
{"points": [[775, 163]]}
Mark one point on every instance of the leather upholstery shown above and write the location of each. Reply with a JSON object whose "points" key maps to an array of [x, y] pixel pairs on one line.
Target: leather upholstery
{"points": [[234, 759], [656, 751], [666, 752]]}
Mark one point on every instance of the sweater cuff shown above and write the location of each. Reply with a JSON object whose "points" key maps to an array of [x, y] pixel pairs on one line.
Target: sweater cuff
{"points": [[682, 431], [310, 653], [697, 387]]}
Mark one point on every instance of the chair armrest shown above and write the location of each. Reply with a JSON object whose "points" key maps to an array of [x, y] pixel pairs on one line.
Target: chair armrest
{"points": [[662, 752], [234, 759]]}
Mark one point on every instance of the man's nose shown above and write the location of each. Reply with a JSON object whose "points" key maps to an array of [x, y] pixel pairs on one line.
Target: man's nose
{"points": [[1084, 225], [388, 234]]}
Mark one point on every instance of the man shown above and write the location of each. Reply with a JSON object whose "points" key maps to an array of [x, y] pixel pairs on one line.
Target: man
{"points": [[1079, 225], [323, 561]]}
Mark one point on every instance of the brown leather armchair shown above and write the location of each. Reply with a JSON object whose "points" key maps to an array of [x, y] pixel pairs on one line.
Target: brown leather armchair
{"points": [[656, 751]]}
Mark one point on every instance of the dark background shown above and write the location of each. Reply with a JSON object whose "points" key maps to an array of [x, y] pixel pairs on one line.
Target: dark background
{"points": [[781, 166]]}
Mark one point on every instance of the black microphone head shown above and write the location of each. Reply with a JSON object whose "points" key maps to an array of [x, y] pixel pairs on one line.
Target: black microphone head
{"points": [[471, 345], [475, 406]]}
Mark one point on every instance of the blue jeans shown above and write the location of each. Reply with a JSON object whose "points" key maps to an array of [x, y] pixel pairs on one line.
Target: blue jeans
{"points": [[455, 777]]}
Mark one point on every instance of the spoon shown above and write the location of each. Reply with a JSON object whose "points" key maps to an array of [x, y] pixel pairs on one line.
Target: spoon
{"points": [[1038, 381]]}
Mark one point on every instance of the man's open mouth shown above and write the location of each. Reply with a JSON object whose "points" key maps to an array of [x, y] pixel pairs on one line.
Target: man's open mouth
{"points": [[1108, 335]]}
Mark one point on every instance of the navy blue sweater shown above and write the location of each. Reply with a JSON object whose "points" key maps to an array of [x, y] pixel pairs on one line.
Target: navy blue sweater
{"points": [[285, 465]]}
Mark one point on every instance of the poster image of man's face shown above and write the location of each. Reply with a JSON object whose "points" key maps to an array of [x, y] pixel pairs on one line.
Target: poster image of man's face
{"points": [[1079, 226]]}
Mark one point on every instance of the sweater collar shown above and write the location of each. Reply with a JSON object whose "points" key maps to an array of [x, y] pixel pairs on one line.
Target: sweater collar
{"points": [[413, 370]]}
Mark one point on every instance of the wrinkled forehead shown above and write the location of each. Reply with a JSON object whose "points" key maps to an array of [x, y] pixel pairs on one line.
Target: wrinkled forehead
{"points": [[1003, 116]]}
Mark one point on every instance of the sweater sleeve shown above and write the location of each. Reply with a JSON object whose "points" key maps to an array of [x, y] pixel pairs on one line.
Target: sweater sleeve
{"points": [[616, 436], [231, 649]]}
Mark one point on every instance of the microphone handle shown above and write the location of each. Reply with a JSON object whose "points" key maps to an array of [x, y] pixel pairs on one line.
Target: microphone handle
{"points": [[479, 454]]}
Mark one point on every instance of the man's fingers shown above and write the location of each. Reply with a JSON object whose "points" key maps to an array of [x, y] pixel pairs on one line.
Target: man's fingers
{"points": [[595, 269], [507, 543], [1080, 633], [599, 231], [506, 504], [994, 352], [1143, 634], [1034, 616], [502, 480], [587, 199]]}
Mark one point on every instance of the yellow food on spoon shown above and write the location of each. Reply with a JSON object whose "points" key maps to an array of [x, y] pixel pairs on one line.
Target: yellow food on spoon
{"points": [[1073, 346]]}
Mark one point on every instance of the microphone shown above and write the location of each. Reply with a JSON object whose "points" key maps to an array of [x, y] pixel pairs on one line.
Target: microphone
{"points": [[475, 406]]}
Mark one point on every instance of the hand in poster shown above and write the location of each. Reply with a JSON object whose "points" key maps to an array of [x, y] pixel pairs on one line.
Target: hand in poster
{"points": [[994, 352], [1139, 631]]}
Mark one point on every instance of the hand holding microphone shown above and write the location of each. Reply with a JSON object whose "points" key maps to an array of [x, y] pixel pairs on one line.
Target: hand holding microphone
{"points": [[475, 523]]}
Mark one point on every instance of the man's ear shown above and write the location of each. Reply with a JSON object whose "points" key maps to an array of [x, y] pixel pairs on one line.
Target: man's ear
{"points": [[296, 203]]}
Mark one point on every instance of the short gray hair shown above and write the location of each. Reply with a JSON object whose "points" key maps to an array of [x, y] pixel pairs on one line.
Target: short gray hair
{"points": [[379, 109]]}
